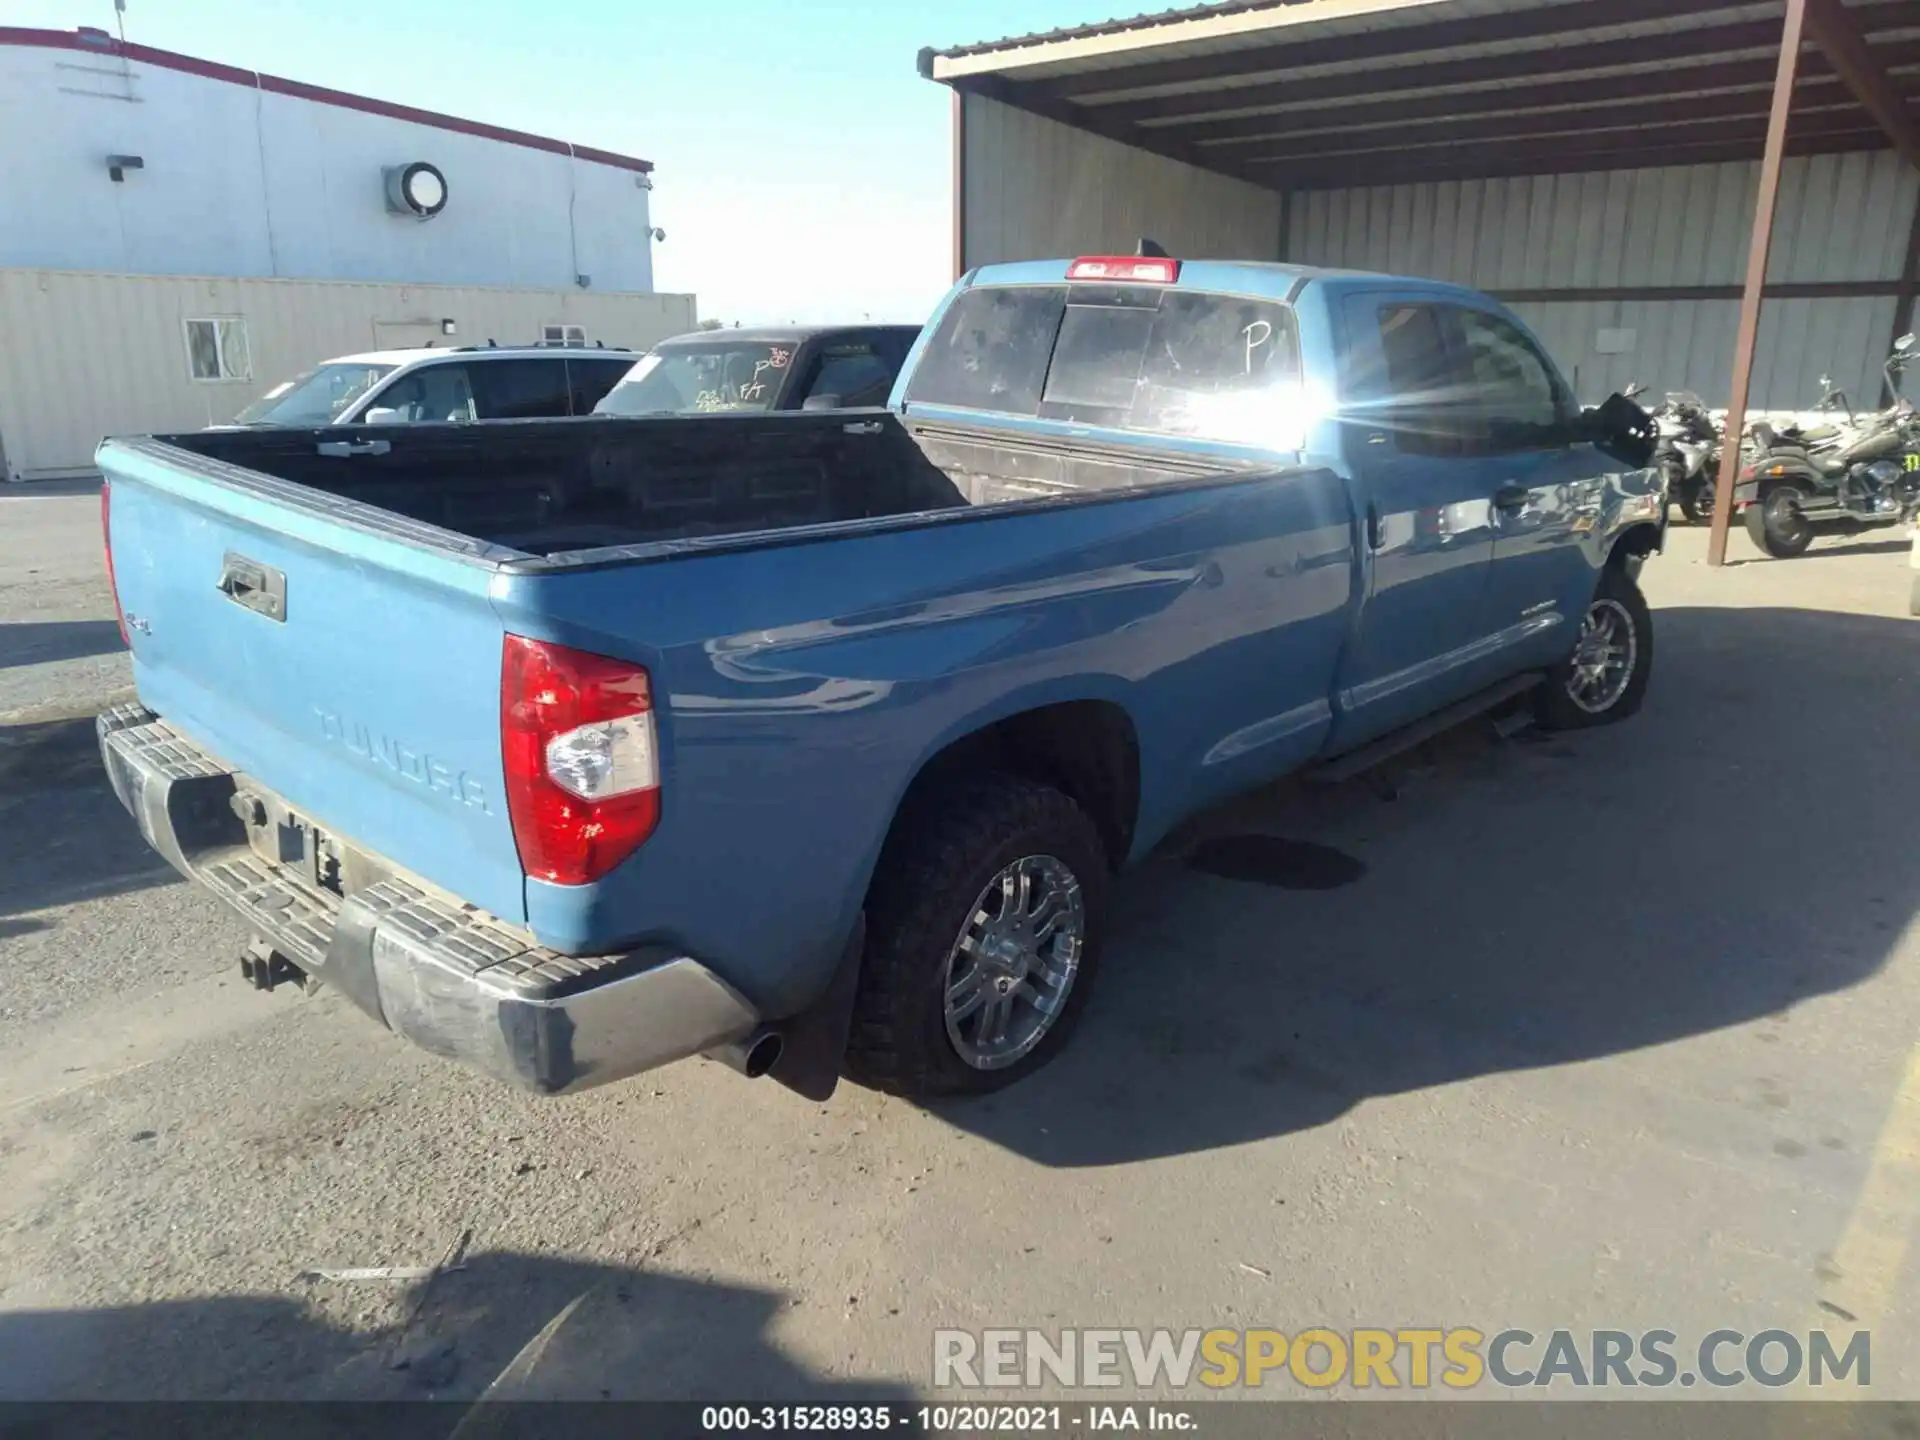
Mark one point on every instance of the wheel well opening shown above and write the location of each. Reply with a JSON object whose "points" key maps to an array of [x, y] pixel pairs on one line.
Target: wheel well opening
{"points": [[1087, 749], [1640, 540]]}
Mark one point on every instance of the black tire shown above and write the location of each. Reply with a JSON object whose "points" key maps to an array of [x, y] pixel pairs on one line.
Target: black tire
{"points": [[1696, 503], [1558, 704], [931, 875], [1775, 523]]}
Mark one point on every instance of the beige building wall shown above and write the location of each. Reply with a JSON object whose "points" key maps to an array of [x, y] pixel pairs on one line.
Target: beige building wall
{"points": [[85, 354], [1036, 189]]}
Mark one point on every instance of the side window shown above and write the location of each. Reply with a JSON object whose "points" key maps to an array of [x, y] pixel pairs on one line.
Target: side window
{"points": [[1422, 397], [521, 389], [588, 381], [854, 373], [433, 394], [1517, 401]]}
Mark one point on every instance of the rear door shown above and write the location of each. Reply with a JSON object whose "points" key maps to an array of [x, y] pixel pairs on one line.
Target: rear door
{"points": [[590, 378], [1425, 516], [368, 696], [531, 387]]}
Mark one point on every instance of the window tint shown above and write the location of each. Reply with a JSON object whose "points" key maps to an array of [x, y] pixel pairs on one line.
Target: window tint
{"points": [[1142, 358], [853, 372], [1517, 399], [521, 389], [429, 395], [590, 380], [991, 350], [1423, 401]]}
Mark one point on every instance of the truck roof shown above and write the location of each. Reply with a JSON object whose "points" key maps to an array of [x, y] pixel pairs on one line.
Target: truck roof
{"points": [[1251, 277]]}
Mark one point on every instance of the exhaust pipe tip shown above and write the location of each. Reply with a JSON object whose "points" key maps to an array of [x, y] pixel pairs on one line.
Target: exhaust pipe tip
{"points": [[753, 1056]]}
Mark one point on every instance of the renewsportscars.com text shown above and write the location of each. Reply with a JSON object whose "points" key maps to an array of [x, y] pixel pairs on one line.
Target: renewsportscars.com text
{"points": [[1413, 1358]]}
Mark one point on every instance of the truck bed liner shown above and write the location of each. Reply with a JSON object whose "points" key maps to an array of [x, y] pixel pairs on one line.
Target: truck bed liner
{"points": [[547, 487]]}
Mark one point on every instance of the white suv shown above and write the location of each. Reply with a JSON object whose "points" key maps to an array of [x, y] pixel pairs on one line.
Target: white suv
{"points": [[410, 387]]}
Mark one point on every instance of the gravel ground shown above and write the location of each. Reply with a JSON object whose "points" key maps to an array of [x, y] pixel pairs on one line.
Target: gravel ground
{"points": [[1608, 1031]]}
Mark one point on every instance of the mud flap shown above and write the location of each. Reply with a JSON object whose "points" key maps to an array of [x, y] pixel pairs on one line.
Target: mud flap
{"points": [[815, 1041]]}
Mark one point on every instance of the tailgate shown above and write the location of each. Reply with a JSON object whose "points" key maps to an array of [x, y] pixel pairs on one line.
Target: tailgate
{"points": [[348, 664]]}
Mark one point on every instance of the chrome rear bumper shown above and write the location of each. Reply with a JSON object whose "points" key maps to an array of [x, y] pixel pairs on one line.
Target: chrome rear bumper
{"points": [[448, 977]]}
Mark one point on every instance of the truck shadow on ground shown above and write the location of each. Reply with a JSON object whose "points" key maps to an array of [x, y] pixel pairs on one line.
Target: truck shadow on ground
{"points": [[1744, 843], [39, 642], [509, 1326], [63, 835]]}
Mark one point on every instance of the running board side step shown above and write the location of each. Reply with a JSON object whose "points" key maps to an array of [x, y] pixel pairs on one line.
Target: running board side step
{"points": [[1356, 762]]}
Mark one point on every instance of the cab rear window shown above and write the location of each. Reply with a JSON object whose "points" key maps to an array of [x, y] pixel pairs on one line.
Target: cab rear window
{"points": [[1146, 358]]}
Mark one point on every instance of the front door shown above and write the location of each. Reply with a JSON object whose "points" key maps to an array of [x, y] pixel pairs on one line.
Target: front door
{"points": [[1426, 528], [1548, 491]]}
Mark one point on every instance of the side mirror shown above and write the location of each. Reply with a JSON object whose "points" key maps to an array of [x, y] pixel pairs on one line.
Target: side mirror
{"points": [[383, 415], [1621, 429], [822, 402], [1905, 342]]}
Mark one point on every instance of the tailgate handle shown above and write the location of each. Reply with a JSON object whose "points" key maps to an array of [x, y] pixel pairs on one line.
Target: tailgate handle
{"points": [[341, 449], [259, 587]]}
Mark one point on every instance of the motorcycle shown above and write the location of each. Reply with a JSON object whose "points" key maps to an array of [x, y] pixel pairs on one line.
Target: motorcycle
{"points": [[1688, 453], [1797, 483]]}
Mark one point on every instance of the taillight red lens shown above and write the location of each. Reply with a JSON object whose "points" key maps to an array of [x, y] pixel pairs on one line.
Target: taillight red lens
{"points": [[583, 774], [106, 539]]}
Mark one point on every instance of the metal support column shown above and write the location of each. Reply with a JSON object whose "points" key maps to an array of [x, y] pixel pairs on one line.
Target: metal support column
{"points": [[959, 183], [1757, 254]]}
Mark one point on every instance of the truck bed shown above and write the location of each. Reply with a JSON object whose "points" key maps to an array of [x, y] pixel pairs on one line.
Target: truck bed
{"points": [[559, 488]]}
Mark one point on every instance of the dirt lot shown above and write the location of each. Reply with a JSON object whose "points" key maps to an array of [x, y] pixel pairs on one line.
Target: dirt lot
{"points": [[1615, 1031]]}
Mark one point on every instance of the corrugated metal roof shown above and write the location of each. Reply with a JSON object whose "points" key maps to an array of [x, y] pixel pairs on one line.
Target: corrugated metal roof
{"points": [[1145, 21], [1303, 94]]}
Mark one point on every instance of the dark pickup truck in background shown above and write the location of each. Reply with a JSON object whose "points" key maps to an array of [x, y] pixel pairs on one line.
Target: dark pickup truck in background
{"points": [[812, 740], [786, 367]]}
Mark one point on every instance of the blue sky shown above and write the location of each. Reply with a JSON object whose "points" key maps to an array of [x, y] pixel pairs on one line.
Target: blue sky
{"points": [[802, 163]]}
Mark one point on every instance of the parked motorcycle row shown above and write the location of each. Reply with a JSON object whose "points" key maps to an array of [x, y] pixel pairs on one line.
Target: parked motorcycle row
{"points": [[1846, 472]]}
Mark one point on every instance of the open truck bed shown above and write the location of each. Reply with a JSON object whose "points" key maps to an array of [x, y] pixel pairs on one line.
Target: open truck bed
{"points": [[561, 488]]}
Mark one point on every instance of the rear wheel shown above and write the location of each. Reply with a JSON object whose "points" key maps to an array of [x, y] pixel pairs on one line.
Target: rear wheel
{"points": [[1696, 503], [984, 928], [1605, 678], [1777, 525]]}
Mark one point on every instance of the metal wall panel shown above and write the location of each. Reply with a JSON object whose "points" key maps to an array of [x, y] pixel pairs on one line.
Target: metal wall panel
{"points": [[1036, 189], [240, 181], [1841, 217], [85, 354]]}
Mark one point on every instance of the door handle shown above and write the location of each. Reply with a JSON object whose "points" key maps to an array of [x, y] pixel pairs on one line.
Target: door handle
{"points": [[1511, 496]]}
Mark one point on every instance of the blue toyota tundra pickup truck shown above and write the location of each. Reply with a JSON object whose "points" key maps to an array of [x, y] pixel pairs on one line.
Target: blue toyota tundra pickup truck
{"points": [[812, 742]]}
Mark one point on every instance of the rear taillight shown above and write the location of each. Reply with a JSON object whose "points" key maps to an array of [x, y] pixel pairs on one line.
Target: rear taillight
{"points": [[106, 539], [583, 773]]}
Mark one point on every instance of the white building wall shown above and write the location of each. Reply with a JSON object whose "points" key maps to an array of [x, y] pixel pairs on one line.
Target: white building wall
{"points": [[83, 355], [1841, 218], [1036, 189], [243, 181]]}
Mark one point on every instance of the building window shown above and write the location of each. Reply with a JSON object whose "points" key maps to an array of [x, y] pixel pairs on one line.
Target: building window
{"points": [[217, 350], [575, 335]]}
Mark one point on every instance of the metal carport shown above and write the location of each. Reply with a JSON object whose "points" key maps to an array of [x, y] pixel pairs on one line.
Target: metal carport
{"points": [[1608, 167]]}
